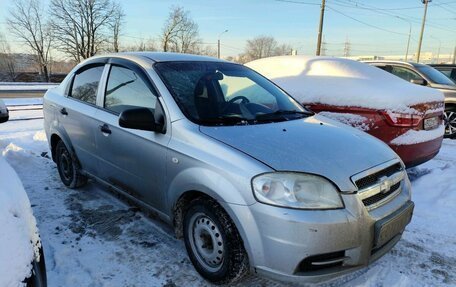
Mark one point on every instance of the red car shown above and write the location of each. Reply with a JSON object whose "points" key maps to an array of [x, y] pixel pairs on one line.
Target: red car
{"points": [[409, 118]]}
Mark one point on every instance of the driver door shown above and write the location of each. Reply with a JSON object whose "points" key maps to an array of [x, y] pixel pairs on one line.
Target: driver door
{"points": [[132, 160]]}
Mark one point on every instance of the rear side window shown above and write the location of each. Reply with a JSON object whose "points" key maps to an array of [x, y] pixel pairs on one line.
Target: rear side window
{"points": [[126, 90], [85, 85], [406, 74]]}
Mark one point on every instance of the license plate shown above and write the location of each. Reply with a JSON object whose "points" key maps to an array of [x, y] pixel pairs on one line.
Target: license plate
{"points": [[389, 227], [431, 123]]}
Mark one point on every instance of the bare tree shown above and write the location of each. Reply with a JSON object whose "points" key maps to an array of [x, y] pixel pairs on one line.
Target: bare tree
{"points": [[180, 33], [83, 27], [283, 49], [142, 45], [262, 47], [116, 25], [7, 61], [28, 23]]}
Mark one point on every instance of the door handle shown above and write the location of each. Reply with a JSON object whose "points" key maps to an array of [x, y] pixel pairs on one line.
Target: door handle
{"points": [[64, 112], [105, 129]]}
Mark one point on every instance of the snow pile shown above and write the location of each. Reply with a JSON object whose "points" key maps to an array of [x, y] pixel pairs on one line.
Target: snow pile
{"points": [[343, 82], [19, 239], [353, 120], [414, 137]]}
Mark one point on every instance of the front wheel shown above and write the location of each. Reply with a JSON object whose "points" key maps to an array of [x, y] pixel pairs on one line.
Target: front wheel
{"points": [[68, 170], [450, 122], [213, 242]]}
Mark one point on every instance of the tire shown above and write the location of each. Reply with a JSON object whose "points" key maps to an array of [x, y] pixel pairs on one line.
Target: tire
{"points": [[67, 167], [213, 243], [450, 122]]}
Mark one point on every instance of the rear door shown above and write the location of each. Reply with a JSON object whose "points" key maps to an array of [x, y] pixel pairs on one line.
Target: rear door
{"points": [[76, 113], [405, 73], [132, 160]]}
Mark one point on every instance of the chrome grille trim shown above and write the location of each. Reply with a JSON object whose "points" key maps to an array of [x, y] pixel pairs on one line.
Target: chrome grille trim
{"points": [[383, 184]]}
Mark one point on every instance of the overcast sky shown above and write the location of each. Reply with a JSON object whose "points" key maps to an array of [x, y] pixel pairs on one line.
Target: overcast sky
{"points": [[371, 26]]}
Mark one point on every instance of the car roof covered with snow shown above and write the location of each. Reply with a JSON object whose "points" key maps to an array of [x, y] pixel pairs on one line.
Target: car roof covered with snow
{"points": [[342, 82], [19, 239]]}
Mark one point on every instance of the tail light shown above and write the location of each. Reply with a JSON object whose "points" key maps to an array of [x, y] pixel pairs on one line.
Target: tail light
{"points": [[402, 119]]}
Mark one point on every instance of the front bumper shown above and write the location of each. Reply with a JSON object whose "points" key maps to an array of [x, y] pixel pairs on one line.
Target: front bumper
{"points": [[319, 245]]}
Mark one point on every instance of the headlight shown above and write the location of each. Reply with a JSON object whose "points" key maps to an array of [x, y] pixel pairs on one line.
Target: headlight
{"points": [[296, 190]]}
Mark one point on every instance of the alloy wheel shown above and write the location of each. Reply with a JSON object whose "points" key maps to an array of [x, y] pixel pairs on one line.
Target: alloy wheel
{"points": [[450, 123]]}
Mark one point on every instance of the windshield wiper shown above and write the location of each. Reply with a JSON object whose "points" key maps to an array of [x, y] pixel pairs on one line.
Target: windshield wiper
{"points": [[229, 120], [281, 114]]}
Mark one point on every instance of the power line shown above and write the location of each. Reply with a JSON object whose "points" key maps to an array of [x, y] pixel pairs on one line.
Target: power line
{"points": [[367, 24], [299, 2], [378, 10]]}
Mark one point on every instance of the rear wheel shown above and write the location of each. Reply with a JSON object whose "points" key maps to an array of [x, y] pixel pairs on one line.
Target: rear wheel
{"points": [[450, 122], [68, 170], [213, 242]]}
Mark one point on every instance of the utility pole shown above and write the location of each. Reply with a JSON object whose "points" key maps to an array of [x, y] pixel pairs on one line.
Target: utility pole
{"points": [[408, 42], [347, 48], [454, 55], [425, 2], [218, 43], [320, 28]]}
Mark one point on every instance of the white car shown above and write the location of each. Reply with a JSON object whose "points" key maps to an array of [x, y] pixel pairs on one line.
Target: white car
{"points": [[4, 113], [21, 254]]}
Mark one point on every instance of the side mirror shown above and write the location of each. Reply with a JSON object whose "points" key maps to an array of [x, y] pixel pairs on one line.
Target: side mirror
{"points": [[139, 119], [421, 82]]}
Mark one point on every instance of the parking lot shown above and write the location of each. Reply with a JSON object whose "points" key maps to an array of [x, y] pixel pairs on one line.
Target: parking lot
{"points": [[91, 238]]}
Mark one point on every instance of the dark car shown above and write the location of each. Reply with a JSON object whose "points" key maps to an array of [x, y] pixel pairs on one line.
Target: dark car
{"points": [[425, 75], [448, 70], [4, 113]]}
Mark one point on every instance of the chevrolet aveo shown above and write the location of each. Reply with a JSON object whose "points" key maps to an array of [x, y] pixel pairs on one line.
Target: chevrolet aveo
{"points": [[253, 183]]}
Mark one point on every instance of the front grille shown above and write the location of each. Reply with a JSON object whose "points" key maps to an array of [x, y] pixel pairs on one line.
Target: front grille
{"points": [[373, 178], [380, 196]]}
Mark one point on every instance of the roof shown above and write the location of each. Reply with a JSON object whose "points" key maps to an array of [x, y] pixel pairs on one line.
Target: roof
{"points": [[168, 57], [443, 65], [411, 64]]}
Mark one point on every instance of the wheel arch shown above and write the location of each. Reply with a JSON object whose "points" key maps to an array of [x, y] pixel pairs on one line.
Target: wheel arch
{"points": [[186, 197]]}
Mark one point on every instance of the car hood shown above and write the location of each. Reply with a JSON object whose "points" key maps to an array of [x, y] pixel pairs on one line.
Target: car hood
{"points": [[316, 145]]}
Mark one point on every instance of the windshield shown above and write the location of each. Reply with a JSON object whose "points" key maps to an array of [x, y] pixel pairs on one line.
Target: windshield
{"points": [[435, 76], [213, 93]]}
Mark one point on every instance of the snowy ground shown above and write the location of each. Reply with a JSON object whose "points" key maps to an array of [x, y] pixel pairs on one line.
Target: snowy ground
{"points": [[91, 238]]}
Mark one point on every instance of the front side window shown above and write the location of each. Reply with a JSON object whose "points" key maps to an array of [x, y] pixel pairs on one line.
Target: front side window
{"points": [[214, 93], [405, 74], [85, 84], [126, 90]]}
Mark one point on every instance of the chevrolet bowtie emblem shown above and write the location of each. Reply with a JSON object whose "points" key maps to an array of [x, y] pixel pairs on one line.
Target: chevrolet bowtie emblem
{"points": [[385, 184]]}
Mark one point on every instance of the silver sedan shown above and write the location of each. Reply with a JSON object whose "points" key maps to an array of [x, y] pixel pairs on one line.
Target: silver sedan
{"points": [[250, 179]]}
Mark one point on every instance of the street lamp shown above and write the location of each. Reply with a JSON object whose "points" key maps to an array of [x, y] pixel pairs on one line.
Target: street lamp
{"points": [[409, 35], [218, 43], [438, 51]]}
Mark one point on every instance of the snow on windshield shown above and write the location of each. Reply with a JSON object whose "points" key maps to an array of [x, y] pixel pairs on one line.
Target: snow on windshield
{"points": [[19, 240], [342, 82]]}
